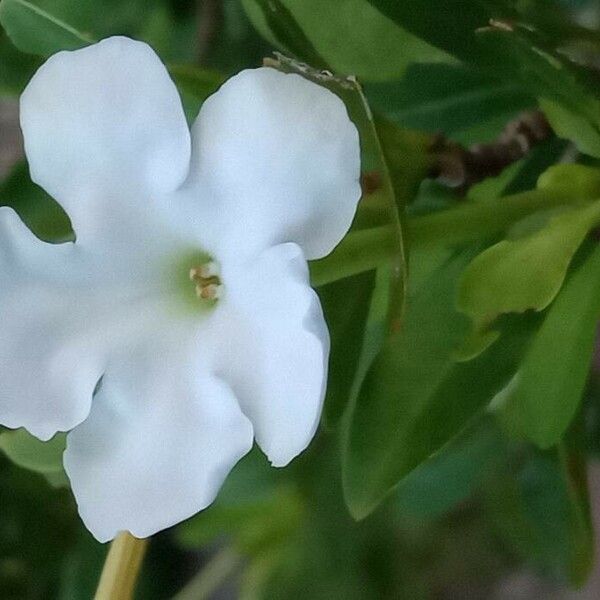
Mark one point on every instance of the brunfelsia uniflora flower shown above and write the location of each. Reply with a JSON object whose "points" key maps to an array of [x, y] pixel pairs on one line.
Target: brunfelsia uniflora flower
{"points": [[180, 325]]}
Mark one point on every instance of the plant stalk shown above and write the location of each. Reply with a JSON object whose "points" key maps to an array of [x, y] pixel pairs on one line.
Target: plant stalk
{"points": [[121, 568], [368, 249]]}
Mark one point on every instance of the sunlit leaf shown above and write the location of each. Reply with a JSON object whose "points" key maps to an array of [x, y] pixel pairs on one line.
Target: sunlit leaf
{"points": [[284, 26], [36, 31], [349, 35], [549, 385], [521, 274]]}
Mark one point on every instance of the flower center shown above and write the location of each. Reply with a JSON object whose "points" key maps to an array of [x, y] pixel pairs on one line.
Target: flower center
{"points": [[196, 280], [207, 279]]}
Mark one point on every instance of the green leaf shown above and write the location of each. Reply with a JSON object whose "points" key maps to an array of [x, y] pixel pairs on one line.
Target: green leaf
{"points": [[549, 385], [288, 32], [346, 307], [572, 126], [16, 68], [35, 31], [349, 35], [41, 213], [521, 274], [451, 475], [415, 397], [392, 187], [452, 29], [490, 35], [448, 97], [415, 355], [495, 38], [41, 457]]}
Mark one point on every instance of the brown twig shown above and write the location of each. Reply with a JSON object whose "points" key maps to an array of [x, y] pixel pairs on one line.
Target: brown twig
{"points": [[460, 167]]}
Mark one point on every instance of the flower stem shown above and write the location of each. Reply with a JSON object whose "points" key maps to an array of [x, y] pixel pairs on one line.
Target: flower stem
{"points": [[121, 568], [367, 249]]}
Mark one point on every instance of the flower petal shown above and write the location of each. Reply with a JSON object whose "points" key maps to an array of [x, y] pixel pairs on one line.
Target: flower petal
{"points": [[275, 349], [159, 441], [63, 312], [105, 133], [281, 158], [39, 339]]}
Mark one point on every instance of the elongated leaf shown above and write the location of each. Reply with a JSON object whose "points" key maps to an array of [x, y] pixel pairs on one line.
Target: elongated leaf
{"points": [[489, 34], [452, 27], [448, 97], [549, 385], [35, 31], [415, 397], [406, 167], [521, 274], [350, 35], [387, 396]]}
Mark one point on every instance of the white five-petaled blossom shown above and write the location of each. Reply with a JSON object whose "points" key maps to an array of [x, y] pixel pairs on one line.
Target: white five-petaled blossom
{"points": [[186, 293]]}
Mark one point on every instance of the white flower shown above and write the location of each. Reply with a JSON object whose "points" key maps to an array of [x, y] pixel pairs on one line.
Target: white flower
{"points": [[185, 300]]}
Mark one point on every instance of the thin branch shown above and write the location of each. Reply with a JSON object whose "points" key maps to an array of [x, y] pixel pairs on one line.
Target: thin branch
{"points": [[459, 167]]}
